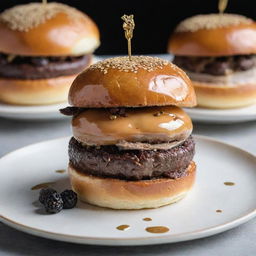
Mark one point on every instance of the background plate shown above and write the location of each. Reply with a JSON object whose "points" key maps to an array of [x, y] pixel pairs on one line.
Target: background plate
{"points": [[235, 115], [193, 217], [46, 112]]}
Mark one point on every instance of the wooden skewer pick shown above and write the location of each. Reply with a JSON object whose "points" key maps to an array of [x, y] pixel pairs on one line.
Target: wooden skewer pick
{"points": [[128, 27], [222, 6]]}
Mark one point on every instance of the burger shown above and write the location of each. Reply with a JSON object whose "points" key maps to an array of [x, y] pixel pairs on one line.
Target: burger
{"points": [[131, 146], [42, 49], [217, 51]]}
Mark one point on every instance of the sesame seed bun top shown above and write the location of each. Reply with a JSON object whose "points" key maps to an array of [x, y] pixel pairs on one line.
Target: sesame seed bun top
{"points": [[142, 81], [51, 29], [214, 35]]}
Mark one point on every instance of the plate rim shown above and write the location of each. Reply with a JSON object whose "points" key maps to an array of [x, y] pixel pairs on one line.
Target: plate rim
{"points": [[31, 109], [158, 239], [186, 236], [203, 111]]}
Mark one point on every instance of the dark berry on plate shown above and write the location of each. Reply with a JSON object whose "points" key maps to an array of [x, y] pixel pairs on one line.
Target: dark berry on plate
{"points": [[53, 203], [69, 198], [44, 193]]}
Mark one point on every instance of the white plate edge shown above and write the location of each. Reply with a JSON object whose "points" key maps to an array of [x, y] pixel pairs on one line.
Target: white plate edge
{"points": [[130, 241]]}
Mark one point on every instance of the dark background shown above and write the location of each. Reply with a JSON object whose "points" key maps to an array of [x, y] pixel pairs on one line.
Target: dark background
{"points": [[154, 20]]}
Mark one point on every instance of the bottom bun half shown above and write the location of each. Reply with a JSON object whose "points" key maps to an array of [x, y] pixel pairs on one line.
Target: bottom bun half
{"points": [[221, 97], [122, 194], [35, 92]]}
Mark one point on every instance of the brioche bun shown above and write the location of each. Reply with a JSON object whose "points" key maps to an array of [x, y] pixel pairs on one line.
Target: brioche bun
{"points": [[143, 81], [121, 194], [53, 29], [214, 35], [35, 92], [223, 96]]}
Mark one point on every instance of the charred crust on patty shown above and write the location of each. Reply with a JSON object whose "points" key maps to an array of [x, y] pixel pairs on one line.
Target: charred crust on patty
{"points": [[71, 111], [118, 112], [113, 112]]}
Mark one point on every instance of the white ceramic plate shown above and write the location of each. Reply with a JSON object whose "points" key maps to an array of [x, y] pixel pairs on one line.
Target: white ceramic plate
{"points": [[44, 112], [193, 217], [222, 115]]}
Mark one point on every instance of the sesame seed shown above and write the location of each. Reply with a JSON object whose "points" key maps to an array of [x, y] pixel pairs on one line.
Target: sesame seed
{"points": [[125, 65], [28, 16], [211, 21]]}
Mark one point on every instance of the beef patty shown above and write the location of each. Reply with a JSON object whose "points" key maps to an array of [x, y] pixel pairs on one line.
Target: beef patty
{"points": [[109, 161], [25, 67], [217, 66]]}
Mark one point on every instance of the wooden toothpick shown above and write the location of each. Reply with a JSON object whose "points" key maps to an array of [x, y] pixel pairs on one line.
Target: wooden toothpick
{"points": [[222, 6]]}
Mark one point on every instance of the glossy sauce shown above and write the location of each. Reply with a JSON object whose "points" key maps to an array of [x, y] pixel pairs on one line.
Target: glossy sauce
{"points": [[60, 171], [147, 219], [123, 227], [95, 126], [157, 229], [228, 183], [42, 185]]}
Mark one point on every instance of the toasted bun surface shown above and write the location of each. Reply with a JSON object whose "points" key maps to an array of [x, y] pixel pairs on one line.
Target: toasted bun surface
{"points": [[216, 96], [143, 81], [214, 35], [35, 92], [53, 29], [121, 194]]}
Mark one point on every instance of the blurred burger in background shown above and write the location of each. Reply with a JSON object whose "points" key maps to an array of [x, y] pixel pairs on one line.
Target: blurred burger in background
{"points": [[217, 51], [42, 49]]}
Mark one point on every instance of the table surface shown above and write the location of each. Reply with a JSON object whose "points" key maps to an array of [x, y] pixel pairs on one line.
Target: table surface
{"points": [[240, 241]]}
